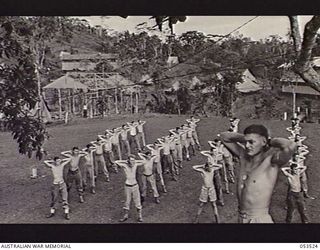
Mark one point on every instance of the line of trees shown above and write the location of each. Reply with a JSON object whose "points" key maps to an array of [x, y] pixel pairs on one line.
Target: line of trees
{"points": [[28, 59]]}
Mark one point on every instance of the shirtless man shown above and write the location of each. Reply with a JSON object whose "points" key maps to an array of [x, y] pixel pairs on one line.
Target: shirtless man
{"points": [[141, 136], [131, 188], [213, 157], [208, 191], [227, 158], [115, 141], [148, 176], [107, 152], [295, 195], [193, 124], [190, 141], [89, 167], [133, 135], [99, 159], [74, 174], [178, 146], [124, 140], [58, 186], [167, 157], [260, 160], [183, 139], [155, 150]]}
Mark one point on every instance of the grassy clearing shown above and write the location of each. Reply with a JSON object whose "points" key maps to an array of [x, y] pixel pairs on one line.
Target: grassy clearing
{"points": [[23, 200]]}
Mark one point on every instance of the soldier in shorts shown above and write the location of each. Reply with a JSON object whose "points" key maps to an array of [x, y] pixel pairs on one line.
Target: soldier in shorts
{"points": [[207, 191], [217, 181]]}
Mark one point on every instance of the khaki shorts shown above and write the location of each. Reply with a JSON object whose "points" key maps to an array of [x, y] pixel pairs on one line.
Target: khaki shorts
{"points": [[208, 193]]}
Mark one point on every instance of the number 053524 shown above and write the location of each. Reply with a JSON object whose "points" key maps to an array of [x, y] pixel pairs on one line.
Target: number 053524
{"points": [[310, 245]]}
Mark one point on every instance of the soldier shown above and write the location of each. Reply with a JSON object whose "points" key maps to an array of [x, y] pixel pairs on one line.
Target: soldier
{"points": [[74, 174], [131, 186], [295, 196], [148, 176], [207, 191], [58, 186]]}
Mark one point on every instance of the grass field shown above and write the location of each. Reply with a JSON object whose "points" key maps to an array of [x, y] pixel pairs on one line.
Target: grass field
{"points": [[25, 200]]}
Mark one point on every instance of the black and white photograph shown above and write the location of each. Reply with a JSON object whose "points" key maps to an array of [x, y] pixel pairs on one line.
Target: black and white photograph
{"points": [[159, 119]]}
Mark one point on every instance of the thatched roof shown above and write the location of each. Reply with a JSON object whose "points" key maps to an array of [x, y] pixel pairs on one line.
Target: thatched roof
{"points": [[300, 89], [66, 82]]}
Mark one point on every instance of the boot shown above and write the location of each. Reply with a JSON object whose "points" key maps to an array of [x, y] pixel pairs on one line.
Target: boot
{"points": [[306, 195], [220, 203], [193, 151], [81, 200], [125, 216], [93, 191], [216, 217], [164, 189], [67, 216], [140, 215], [50, 215], [107, 179], [196, 220], [157, 200], [142, 199]]}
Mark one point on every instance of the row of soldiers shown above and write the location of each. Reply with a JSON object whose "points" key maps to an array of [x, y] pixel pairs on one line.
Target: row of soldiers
{"points": [[165, 155], [296, 175], [219, 166], [115, 143], [108, 151]]}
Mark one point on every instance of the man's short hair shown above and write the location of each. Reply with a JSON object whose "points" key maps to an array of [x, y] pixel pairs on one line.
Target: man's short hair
{"points": [[148, 153], [293, 165], [257, 129], [89, 145], [56, 158], [75, 148]]}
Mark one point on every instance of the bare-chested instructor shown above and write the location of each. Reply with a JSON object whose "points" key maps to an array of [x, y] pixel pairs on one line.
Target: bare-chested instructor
{"points": [[260, 160]]}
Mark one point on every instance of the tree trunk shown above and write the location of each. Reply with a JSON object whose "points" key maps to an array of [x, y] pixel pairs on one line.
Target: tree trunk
{"points": [[295, 33], [303, 65]]}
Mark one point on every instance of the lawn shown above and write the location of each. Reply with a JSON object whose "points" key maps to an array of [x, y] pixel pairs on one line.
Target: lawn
{"points": [[26, 200]]}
